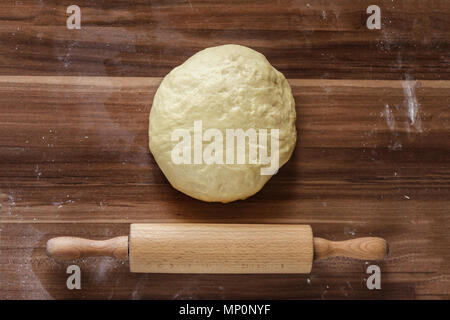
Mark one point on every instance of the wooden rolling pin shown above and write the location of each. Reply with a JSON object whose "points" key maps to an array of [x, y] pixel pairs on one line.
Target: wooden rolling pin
{"points": [[218, 248]]}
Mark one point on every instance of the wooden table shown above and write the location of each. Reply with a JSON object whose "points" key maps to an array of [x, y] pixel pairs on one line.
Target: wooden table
{"points": [[372, 158]]}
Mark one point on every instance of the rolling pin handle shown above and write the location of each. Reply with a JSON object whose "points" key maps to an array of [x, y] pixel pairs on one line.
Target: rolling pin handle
{"points": [[368, 248], [71, 248]]}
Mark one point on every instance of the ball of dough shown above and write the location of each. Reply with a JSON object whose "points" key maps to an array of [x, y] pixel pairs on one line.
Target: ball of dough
{"points": [[224, 87]]}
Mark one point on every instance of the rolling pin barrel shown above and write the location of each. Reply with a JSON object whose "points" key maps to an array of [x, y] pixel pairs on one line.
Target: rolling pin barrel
{"points": [[218, 248]]}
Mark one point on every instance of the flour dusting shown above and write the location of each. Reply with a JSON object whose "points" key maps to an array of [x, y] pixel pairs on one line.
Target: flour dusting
{"points": [[409, 90], [136, 295], [28, 284], [390, 119]]}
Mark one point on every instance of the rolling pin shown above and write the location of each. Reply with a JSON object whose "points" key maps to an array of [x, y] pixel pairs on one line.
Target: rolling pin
{"points": [[218, 248]]}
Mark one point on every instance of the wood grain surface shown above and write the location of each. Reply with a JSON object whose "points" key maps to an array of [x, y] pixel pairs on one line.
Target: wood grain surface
{"points": [[372, 158]]}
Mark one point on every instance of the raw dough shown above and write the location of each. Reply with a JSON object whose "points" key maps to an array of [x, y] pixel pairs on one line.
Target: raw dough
{"points": [[224, 87]]}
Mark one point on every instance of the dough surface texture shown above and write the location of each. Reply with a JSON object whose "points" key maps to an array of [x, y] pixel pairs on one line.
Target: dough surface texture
{"points": [[224, 87]]}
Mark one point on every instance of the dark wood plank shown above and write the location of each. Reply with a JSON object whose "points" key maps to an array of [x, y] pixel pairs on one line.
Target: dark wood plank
{"points": [[303, 39], [74, 161], [71, 144], [26, 272]]}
